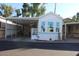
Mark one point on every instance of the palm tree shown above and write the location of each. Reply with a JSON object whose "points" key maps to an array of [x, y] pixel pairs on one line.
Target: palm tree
{"points": [[18, 12], [74, 18], [7, 10], [33, 9], [37, 9], [25, 10], [40, 11]]}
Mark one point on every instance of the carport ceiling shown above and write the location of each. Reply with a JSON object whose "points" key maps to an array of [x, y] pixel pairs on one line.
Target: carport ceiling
{"points": [[23, 20]]}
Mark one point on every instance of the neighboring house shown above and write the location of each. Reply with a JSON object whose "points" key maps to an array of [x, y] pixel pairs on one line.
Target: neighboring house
{"points": [[7, 28], [71, 30], [71, 27], [2, 28]]}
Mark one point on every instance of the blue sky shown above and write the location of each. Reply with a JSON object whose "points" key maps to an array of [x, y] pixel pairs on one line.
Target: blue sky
{"points": [[63, 9]]}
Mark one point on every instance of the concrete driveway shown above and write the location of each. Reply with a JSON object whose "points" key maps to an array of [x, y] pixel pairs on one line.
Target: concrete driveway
{"points": [[37, 52]]}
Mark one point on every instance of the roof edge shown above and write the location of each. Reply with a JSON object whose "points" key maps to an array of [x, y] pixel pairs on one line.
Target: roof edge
{"points": [[22, 17]]}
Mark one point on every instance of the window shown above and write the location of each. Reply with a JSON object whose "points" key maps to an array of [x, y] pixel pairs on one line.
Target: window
{"points": [[43, 26], [57, 27], [34, 30], [50, 27]]}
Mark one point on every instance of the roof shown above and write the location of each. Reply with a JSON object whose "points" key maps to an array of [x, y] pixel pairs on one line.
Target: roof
{"points": [[22, 18], [3, 20], [52, 14], [2, 17], [72, 23], [31, 18]]}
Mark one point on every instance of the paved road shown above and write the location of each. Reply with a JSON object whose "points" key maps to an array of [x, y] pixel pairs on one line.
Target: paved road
{"points": [[47, 46], [7, 45], [37, 52]]}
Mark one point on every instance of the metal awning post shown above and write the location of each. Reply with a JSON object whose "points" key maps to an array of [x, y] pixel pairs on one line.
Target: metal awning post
{"points": [[65, 30], [6, 29]]}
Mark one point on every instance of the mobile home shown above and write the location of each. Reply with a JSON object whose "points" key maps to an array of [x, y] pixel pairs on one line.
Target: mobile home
{"points": [[45, 27], [49, 28]]}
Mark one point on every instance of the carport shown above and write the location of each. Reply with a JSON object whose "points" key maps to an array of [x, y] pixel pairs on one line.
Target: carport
{"points": [[26, 24], [71, 30]]}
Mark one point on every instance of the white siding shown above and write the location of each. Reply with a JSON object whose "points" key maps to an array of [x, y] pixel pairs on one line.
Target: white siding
{"points": [[10, 30], [47, 35]]}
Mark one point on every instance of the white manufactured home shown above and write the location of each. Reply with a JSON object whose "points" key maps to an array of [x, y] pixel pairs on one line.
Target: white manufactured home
{"points": [[45, 27], [49, 27]]}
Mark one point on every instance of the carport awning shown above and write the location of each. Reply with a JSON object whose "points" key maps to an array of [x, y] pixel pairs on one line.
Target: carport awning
{"points": [[23, 20], [70, 23]]}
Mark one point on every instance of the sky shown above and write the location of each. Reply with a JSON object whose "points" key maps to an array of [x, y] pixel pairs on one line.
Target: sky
{"points": [[63, 9]]}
